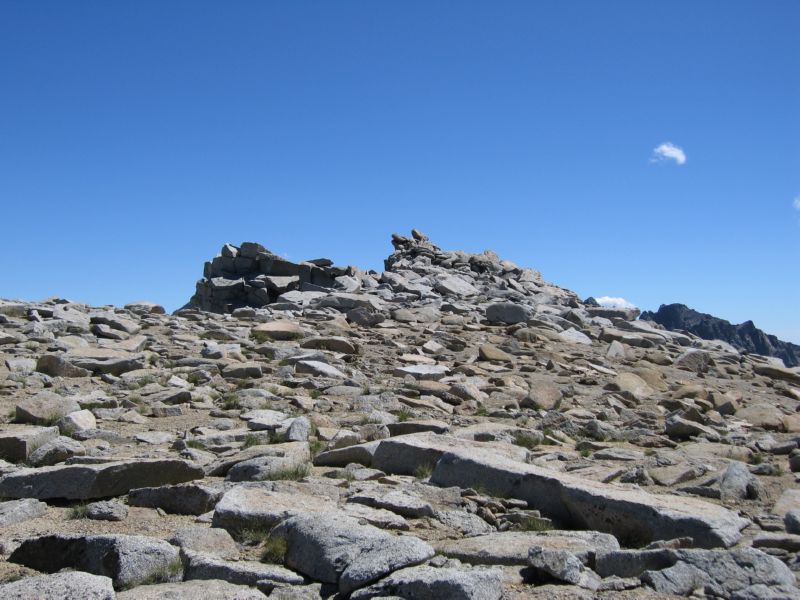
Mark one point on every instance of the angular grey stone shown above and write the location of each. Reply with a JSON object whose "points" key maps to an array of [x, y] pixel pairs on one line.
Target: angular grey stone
{"points": [[791, 521], [79, 420], [117, 322], [155, 438], [102, 360], [678, 428], [242, 572], [106, 510], [319, 369], [735, 570], [423, 372], [694, 360], [56, 451], [632, 563], [253, 507], [405, 454], [282, 458], [242, 370], [210, 541], [341, 457], [297, 592], [430, 583], [334, 548], [452, 285], [512, 547], [17, 511], [397, 501], [18, 442], [738, 483], [365, 317], [507, 312], [59, 586], [56, 365], [88, 482], [562, 565], [573, 336], [45, 408], [196, 589], [127, 559], [181, 499], [681, 579]]}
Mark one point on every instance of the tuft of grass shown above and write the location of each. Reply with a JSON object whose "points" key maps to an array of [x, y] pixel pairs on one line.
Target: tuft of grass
{"points": [[196, 444], [163, 574], [757, 458], [585, 453], [548, 435], [253, 536], [423, 471], [144, 381], [536, 524], [50, 420], [526, 440], [230, 402], [316, 446], [249, 441], [274, 550], [404, 415], [290, 473], [315, 394], [79, 511], [481, 412], [345, 474]]}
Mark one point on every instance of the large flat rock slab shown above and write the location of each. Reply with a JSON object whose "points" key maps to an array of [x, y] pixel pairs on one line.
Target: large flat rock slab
{"points": [[88, 482], [193, 589], [59, 586], [630, 514], [252, 507], [406, 453], [511, 547]]}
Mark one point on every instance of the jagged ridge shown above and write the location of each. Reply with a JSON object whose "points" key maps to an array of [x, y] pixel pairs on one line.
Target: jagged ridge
{"points": [[745, 336]]}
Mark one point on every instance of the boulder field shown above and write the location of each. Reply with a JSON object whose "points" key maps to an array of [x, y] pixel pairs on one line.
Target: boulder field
{"points": [[453, 427]]}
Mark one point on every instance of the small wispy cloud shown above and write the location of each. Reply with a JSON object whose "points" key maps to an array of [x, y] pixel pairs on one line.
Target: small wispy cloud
{"points": [[614, 302], [668, 151], [796, 203]]}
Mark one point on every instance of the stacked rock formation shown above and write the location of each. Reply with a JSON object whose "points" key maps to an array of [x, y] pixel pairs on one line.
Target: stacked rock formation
{"points": [[451, 427], [251, 275]]}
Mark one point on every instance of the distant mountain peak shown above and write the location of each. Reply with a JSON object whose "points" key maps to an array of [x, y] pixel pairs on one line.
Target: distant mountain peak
{"points": [[745, 336]]}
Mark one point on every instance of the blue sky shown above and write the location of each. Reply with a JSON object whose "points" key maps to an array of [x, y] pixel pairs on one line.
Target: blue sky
{"points": [[137, 137]]}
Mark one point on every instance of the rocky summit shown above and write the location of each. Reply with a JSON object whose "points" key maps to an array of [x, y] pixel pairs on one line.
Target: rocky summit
{"points": [[453, 427]]}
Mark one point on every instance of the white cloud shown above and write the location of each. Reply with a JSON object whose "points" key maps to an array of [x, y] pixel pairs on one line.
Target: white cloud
{"points": [[668, 151], [796, 203], [614, 302]]}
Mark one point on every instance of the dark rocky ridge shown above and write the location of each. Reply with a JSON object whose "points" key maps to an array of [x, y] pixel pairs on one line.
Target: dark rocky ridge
{"points": [[745, 336]]}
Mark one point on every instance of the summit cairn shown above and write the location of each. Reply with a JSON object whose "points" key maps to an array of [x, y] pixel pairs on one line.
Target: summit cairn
{"points": [[453, 426]]}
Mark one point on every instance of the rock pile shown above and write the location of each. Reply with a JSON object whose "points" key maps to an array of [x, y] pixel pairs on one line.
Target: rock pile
{"points": [[451, 427]]}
